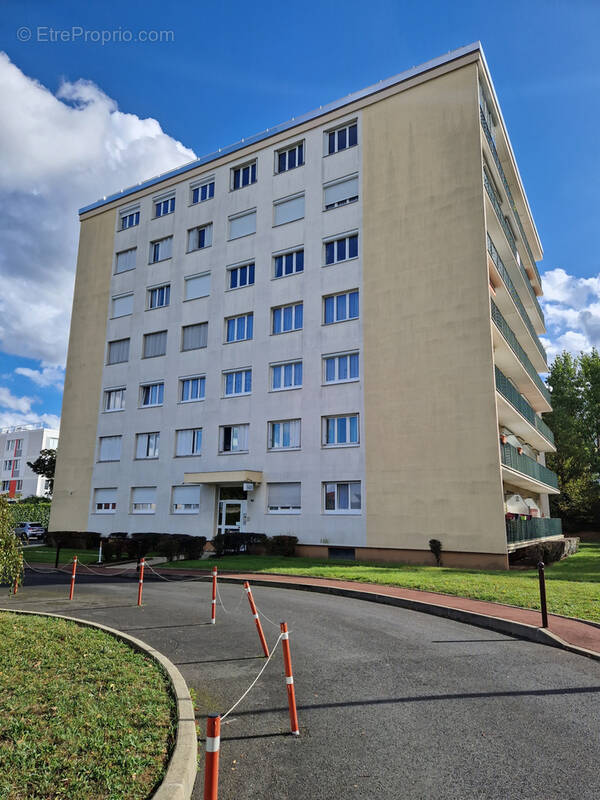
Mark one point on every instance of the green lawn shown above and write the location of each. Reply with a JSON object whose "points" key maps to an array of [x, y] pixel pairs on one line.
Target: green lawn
{"points": [[82, 715], [47, 555], [573, 585]]}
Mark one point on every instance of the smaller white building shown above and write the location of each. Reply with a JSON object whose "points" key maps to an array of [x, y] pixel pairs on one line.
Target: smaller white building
{"points": [[19, 445]]}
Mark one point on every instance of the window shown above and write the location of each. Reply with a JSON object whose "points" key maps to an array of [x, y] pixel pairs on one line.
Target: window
{"points": [[340, 193], [283, 498], [5, 486], [240, 276], [122, 305], [341, 249], [204, 191], [342, 497], [289, 157], [159, 296], [155, 344], [199, 238], [288, 263], [161, 249], [147, 444], [130, 218], [238, 382], [341, 138], [284, 435], [192, 389], [51, 444], [193, 337], [7, 465], [143, 500], [340, 368], [19, 485], [286, 376], [105, 501], [287, 318], [188, 442], [125, 260], [185, 500], [114, 399], [242, 224], [164, 207], [339, 307], [339, 431], [109, 448], [239, 328], [118, 351], [16, 468], [233, 438], [288, 210], [244, 175], [152, 394], [197, 286]]}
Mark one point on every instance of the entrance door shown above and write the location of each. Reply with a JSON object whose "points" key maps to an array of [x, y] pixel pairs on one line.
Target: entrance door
{"points": [[231, 515]]}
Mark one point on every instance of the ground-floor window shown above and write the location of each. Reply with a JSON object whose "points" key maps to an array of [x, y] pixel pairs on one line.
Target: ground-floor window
{"points": [[342, 497]]}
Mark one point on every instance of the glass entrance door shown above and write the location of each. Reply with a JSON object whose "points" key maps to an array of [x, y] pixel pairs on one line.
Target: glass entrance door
{"points": [[231, 515]]}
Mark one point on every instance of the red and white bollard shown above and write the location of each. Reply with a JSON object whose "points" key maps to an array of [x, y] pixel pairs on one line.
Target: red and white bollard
{"points": [[73, 578], [261, 635], [141, 582], [211, 758], [213, 607], [289, 679]]}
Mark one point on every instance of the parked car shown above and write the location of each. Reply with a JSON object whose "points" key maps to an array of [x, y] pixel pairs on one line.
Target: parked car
{"points": [[30, 531]]}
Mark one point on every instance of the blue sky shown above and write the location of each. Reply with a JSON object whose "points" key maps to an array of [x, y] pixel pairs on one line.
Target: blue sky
{"points": [[235, 68]]}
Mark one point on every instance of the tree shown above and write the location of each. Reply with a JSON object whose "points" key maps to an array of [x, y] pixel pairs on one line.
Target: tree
{"points": [[11, 555], [45, 465], [575, 421]]}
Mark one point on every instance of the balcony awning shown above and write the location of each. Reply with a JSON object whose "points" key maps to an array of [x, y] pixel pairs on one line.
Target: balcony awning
{"points": [[232, 476]]}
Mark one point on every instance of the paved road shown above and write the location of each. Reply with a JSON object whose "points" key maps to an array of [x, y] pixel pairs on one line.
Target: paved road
{"points": [[392, 703]]}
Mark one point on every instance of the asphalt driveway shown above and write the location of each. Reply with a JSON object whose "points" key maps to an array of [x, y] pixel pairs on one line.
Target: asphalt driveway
{"points": [[392, 703]]}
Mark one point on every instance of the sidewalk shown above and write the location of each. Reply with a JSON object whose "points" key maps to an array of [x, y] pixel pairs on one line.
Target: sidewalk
{"points": [[572, 634]]}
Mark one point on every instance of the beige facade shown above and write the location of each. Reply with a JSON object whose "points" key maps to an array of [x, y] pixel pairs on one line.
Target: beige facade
{"points": [[449, 396]]}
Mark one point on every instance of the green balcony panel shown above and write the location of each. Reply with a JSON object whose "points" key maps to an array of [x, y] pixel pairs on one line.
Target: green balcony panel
{"points": [[524, 530], [514, 397], [511, 457]]}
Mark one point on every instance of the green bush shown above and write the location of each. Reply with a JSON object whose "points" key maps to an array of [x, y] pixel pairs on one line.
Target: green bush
{"points": [[30, 512], [282, 545]]}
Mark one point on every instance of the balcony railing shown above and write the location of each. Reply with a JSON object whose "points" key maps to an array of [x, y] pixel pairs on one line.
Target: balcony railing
{"points": [[521, 463], [514, 345], [511, 241], [508, 391], [514, 294], [492, 144], [523, 530]]}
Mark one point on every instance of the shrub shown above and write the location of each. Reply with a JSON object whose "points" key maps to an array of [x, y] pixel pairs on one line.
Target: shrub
{"points": [[193, 546], [436, 548], [228, 543], [256, 543], [282, 545]]}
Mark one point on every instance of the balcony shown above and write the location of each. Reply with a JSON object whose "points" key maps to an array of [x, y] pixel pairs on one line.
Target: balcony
{"points": [[532, 338], [514, 361], [519, 531], [515, 413], [492, 144], [513, 247], [526, 473]]}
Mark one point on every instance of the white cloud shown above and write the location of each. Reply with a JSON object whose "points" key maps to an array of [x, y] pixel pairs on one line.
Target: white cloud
{"points": [[59, 152], [11, 419], [572, 310], [48, 376], [10, 401]]}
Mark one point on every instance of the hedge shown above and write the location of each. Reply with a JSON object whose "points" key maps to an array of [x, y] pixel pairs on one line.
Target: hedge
{"points": [[31, 512]]}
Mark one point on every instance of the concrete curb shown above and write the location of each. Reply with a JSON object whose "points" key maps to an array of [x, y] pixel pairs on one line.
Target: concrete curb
{"points": [[178, 782], [519, 630]]}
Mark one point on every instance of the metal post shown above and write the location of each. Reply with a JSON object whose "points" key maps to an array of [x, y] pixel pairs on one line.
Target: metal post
{"points": [[543, 604]]}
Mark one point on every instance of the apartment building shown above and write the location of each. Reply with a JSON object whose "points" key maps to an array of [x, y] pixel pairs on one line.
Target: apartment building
{"points": [[330, 329], [19, 445]]}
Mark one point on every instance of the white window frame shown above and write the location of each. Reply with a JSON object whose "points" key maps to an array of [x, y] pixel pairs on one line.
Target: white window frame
{"points": [[208, 237], [201, 383], [235, 267], [149, 385], [345, 237], [282, 309], [234, 319], [335, 296], [336, 356], [336, 443], [167, 201], [101, 439], [286, 151], [133, 211], [122, 389], [283, 364], [149, 507], [284, 509], [283, 255], [111, 503], [122, 253], [337, 510], [118, 297], [138, 439], [253, 162], [153, 243], [272, 448], [185, 508], [198, 185], [336, 130], [246, 436], [157, 288], [343, 201], [197, 433], [240, 371]]}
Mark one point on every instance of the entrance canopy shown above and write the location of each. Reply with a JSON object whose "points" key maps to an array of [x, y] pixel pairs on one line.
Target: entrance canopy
{"points": [[233, 476]]}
